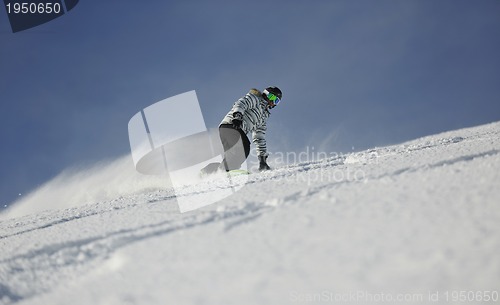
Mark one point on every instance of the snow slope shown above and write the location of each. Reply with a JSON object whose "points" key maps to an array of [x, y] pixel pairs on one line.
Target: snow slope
{"points": [[407, 224]]}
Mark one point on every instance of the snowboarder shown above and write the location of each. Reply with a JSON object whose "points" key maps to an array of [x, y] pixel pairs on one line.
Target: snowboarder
{"points": [[248, 114]]}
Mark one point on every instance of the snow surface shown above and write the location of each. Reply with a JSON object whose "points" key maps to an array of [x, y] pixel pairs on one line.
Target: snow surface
{"points": [[380, 226]]}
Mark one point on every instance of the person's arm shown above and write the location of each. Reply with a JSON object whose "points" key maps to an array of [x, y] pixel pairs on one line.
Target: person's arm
{"points": [[245, 103]]}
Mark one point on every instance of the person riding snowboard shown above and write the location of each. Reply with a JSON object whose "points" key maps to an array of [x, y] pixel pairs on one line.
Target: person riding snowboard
{"points": [[248, 114]]}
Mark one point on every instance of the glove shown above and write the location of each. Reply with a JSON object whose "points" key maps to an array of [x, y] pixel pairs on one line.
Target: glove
{"points": [[262, 164], [237, 120]]}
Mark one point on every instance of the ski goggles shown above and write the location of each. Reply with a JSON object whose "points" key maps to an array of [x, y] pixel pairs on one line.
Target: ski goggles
{"points": [[273, 98]]}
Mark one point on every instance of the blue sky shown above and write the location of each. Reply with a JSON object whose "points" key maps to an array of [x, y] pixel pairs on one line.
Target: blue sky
{"points": [[354, 74]]}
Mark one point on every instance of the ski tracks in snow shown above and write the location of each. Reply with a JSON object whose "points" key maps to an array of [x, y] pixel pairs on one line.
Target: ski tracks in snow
{"points": [[39, 252]]}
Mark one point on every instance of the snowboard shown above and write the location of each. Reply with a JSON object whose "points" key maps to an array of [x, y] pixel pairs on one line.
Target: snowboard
{"points": [[238, 172]]}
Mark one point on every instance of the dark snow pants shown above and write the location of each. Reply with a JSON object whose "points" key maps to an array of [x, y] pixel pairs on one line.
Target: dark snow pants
{"points": [[236, 146]]}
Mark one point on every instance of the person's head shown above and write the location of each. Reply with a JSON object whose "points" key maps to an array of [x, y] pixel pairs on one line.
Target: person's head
{"points": [[272, 95]]}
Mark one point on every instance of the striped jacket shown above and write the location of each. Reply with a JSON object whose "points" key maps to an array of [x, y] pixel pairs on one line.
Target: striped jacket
{"points": [[255, 114]]}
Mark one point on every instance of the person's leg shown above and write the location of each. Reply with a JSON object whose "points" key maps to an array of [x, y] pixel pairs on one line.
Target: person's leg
{"points": [[236, 147]]}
